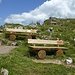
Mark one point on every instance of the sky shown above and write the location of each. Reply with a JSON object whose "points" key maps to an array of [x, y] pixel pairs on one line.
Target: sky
{"points": [[27, 11]]}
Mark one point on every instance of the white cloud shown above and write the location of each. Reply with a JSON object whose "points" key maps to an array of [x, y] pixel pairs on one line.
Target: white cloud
{"points": [[55, 8]]}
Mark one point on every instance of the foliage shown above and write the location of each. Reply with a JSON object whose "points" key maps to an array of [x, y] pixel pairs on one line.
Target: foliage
{"points": [[12, 25], [2, 35], [4, 42]]}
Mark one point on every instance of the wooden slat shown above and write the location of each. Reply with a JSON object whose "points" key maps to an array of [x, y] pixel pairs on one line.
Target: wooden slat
{"points": [[21, 30], [36, 48], [38, 41], [47, 47]]}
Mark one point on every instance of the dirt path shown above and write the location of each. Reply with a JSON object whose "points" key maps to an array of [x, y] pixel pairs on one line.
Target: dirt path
{"points": [[54, 61], [6, 49]]}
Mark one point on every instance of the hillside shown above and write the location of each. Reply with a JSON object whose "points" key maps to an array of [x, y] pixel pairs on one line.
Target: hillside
{"points": [[19, 61]]}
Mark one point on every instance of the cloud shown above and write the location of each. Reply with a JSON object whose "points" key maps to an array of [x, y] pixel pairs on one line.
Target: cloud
{"points": [[54, 8]]}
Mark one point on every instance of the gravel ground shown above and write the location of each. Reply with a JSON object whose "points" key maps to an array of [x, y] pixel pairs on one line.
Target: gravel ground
{"points": [[6, 49]]}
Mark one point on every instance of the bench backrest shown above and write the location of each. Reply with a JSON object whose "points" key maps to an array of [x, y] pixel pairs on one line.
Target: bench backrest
{"points": [[39, 41]]}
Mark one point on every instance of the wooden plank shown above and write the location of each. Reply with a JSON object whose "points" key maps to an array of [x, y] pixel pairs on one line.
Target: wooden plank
{"points": [[20, 30], [38, 41], [47, 47]]}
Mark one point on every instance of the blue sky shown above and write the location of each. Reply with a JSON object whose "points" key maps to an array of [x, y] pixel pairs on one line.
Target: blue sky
{"points": [[8, 7], [26, 11]]}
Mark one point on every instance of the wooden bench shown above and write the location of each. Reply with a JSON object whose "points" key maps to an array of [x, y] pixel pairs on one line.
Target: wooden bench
{"points": [[41, 50]]}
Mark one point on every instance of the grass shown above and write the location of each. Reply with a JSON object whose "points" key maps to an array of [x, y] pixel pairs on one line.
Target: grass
{"points": [[19, 62]]}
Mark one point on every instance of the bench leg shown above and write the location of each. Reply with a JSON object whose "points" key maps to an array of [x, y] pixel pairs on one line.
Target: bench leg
{"points": [[42, 54], [59, 52], [12, 37]]}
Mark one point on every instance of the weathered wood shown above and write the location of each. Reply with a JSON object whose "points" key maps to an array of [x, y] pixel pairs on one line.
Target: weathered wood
{"points": [[27, 33], [46, 48], [38, 41], [20, 30], [42, 54], [59, 52], [12, 37], [42, 49]]}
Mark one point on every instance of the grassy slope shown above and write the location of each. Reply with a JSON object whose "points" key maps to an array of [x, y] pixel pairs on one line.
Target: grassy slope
{"points": [[19, 62]]}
